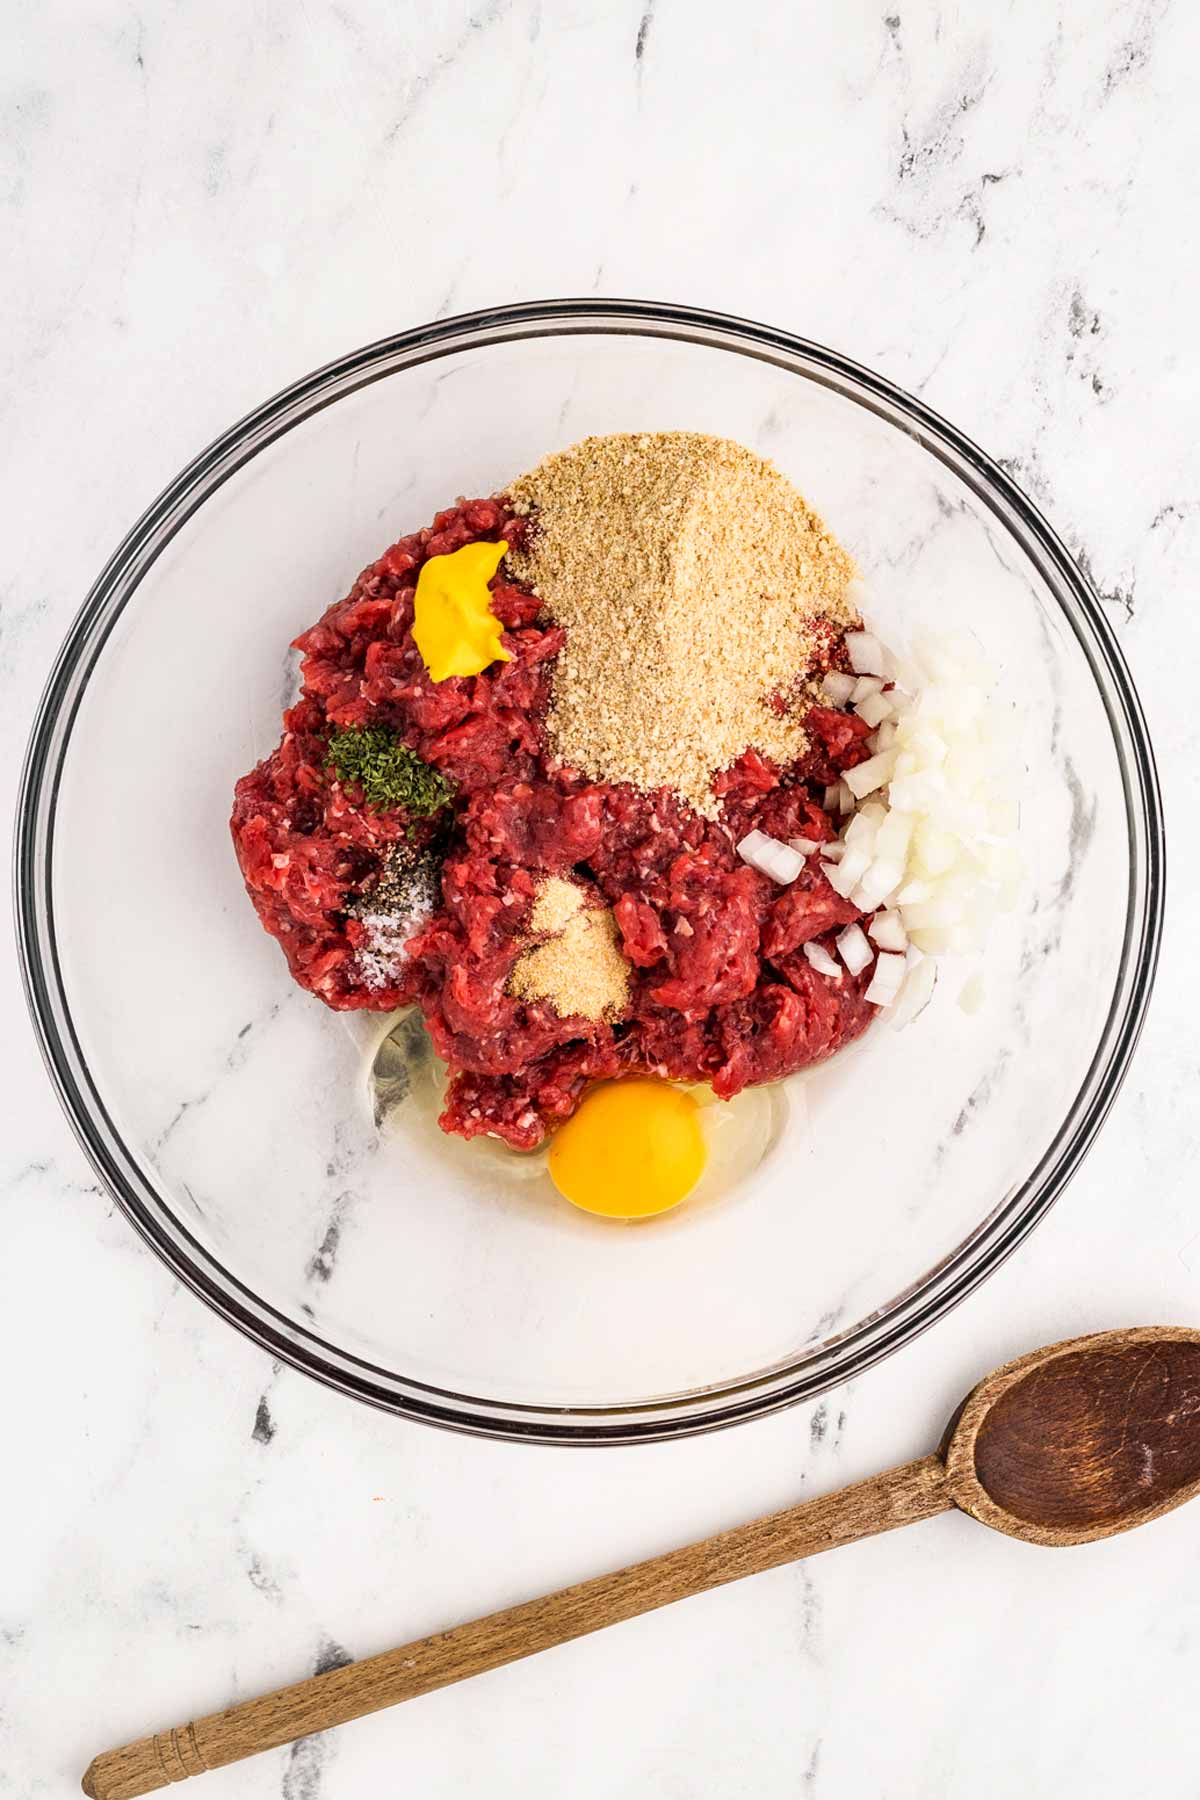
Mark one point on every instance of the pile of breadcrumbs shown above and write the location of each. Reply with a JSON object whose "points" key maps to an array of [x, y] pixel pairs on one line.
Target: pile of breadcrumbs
{"points": [[690, 576]]}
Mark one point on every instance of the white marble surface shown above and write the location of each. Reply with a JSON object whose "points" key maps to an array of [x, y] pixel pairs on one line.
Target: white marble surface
{"points": [[996, 207]]}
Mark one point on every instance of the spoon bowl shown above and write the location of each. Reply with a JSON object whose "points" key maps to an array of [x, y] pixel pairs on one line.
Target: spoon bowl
{"points": [[1083, 1440]]}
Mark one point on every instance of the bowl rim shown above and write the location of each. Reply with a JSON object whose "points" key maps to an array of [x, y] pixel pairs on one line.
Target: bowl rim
{"points": [[833, 1360]]}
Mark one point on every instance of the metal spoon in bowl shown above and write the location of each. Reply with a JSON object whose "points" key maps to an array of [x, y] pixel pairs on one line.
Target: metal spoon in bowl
{"points": [[1077, 1442]]}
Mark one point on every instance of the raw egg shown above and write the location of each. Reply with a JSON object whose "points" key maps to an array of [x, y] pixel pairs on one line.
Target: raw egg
{"points": [[634, 1148], [454, 626]]}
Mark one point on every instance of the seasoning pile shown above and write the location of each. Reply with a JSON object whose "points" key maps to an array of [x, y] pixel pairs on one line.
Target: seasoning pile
{"points": [[573, 959], [398, 902]]}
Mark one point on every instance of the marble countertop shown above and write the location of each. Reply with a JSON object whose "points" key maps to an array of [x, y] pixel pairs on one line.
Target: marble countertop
{"points": [[995, 208]]}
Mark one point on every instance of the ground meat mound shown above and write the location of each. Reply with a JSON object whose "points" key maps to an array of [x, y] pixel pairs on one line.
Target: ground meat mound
{"points": [[721, 989]]}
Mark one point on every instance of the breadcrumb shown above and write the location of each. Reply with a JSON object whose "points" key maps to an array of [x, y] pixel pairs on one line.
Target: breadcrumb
{"points": [[690, 575]]}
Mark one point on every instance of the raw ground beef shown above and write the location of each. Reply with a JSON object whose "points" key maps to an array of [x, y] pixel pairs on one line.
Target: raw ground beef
{"points": [[721, 989]]}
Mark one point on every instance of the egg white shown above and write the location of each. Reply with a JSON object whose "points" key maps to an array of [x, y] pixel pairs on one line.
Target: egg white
{"points": [[406, 1084]]}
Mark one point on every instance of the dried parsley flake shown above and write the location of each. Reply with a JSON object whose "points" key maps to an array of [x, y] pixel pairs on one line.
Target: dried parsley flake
{"points": [[371, 757]]}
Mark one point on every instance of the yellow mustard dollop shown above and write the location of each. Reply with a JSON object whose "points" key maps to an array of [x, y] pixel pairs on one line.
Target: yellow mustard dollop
{"points": [[454, 626]]}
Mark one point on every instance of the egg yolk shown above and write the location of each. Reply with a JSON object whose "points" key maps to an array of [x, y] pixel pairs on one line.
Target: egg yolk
{"points": [[634, 1148], [454, 626]]}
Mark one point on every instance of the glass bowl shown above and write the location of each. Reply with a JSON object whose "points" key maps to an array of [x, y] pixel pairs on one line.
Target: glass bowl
{"points": [[226, 1110]]}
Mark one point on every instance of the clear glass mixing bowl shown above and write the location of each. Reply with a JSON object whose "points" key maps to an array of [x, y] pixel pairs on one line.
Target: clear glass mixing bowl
{"points": [[226, 1110]]}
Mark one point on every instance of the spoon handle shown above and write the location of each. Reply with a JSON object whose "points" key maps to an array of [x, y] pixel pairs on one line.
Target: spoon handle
{"points": [[901, 1496]]}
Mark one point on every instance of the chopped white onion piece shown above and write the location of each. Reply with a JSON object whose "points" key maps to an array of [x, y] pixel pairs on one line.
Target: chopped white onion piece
{"points": [[833, 853], [916, 993], [931, 914], [875, 709], [766, 854], [933, 942], [860, 833], [864, 687], [894, 835], [887, 980], [869, 775], [845, 876], [752, 846], [821, 960], [887, 930], [924, 743], [971, 996], [838, 687], [846, 799], [788, 863], [865, 653], [934, 850], [854, 950], [885, 737], [905, 674], [881, 880], [915, 892], [805, 846], [833, 795]]}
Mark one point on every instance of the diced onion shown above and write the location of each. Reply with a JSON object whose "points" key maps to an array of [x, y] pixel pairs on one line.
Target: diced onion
{"points": [[880, 881], [887, 980], [913, 893], [926, 852], [934, 850], [860, 833], [875, 709], [845, 875], [894, 835], [853, 948], [926, 744], [770, 857], [971, 995], [930, 915], [838, 687], [865, 653], [887, 930], [867, 776], [821, 960], [916, 993]]}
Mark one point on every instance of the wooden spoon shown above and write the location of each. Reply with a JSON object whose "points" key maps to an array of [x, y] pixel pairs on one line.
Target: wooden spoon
{"points": [[1069, 1444]]}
